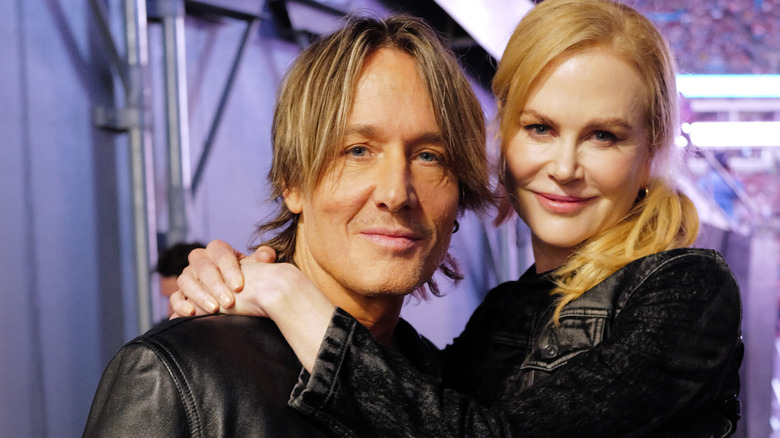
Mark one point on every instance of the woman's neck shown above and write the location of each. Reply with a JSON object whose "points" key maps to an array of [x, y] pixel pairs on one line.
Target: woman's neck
{"points": [[548, 257]]}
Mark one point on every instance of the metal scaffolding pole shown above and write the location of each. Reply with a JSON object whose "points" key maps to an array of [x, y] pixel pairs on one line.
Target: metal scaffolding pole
{"points": [[179, 175], [132, 118], [140, 153], [251, 26]]}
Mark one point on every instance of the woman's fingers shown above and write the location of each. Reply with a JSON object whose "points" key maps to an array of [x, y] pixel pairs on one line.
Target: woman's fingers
{"points": [[226, 259], [264, 254], [198, 293], [183, 307], [212, 276]]}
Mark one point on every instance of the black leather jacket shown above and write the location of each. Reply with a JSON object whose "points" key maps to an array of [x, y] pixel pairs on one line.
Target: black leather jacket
{"points": [[653, 350], [210, 376]]}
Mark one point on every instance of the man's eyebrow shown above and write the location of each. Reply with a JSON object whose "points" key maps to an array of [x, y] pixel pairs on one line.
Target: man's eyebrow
{"points": [[362, 130], [429, 138], [371, 131]]}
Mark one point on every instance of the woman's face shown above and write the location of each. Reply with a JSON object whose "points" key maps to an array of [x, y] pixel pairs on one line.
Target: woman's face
{"points": [[579, 155]]}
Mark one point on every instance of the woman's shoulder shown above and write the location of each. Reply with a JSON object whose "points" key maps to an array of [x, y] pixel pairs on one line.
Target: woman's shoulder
{"points": [[698, 271], [689, 260]]}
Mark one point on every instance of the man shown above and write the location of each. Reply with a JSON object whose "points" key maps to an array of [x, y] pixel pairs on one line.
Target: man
{"points": [[378, 143]]}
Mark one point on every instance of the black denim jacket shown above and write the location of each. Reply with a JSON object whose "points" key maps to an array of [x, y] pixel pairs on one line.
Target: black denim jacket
{"points": [[653, 350]]}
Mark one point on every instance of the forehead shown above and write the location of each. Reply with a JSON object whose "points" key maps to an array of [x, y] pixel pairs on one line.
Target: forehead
{"points": [[391, 96], [593, 82]]}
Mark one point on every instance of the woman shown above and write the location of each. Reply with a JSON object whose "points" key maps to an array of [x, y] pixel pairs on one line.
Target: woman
{"points": [[619, 329]]}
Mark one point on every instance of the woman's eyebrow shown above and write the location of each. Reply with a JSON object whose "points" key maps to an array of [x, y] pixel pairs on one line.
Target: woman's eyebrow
{"points": [[541, 118], [610, 122]]}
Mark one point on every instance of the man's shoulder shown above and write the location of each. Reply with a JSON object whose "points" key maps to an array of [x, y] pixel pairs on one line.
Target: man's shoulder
{"points": [[221, 348], [211, 325], [227, 355], [221, 375], [200, 337]]}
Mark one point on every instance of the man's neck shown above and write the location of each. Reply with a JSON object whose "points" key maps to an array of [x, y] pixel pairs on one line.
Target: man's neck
{"points": [[379, 313]]}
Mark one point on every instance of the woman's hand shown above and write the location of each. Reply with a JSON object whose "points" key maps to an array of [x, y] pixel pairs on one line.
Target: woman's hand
{"points": [[212, 279], [271, 289], [280, 291]]}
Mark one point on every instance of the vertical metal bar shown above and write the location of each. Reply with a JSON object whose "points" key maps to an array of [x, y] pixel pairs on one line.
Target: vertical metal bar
{"points": [[99, 11], [179, 170], [38, 408], [249, 30], [140, 156]]}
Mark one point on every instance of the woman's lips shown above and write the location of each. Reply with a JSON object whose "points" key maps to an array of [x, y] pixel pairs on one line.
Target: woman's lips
{"points": [[560, 204]]}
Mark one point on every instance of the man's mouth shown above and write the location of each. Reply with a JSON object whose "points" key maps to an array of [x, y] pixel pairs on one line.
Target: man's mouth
{"points": [[397, 239]]}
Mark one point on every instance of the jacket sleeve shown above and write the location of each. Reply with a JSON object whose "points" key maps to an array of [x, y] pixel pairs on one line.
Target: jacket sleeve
{"points": [[137, 397], [672, 342]]}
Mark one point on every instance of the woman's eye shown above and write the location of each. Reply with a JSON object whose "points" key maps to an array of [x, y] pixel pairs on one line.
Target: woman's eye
{"points": [[539, 129]]}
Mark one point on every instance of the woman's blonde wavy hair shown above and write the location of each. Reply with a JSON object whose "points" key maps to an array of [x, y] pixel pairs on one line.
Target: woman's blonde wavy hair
{"points": [[665, 218]]}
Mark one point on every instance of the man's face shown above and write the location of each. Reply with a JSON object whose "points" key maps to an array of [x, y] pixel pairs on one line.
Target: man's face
{"points": [[379, 221]]}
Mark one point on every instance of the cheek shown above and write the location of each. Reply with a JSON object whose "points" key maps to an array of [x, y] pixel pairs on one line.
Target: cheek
{"points": [[339, 198], [619, 181], [441, 213], [439, 202], [520, 163], [444, 203], [520, 169]]}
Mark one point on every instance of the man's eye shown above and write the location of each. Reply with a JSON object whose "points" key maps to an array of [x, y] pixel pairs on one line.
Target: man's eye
{"points": [[357, 151], [430, 157]]}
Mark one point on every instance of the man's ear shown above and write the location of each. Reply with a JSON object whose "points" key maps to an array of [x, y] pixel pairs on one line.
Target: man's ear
{"points": [[293, 199]]}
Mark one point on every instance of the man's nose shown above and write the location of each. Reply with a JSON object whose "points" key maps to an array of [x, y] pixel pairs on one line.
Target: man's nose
{"points": [[394, 186]]}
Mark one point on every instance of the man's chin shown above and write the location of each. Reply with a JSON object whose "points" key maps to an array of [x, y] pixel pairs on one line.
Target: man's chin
{"points": [[392, 285]]}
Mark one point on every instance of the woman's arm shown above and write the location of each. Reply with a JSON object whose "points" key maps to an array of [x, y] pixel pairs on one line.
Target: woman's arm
{"points": [[673, 345], [281, 292], [647, 371]]}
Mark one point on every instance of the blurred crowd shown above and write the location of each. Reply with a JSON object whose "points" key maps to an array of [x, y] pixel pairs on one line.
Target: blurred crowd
{"points": [[719, 36]]}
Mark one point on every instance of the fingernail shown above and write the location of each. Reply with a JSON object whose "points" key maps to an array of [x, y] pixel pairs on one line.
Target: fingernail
{"points": [[212, 305], [189, 309], [235, 283], [225, 299]]}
